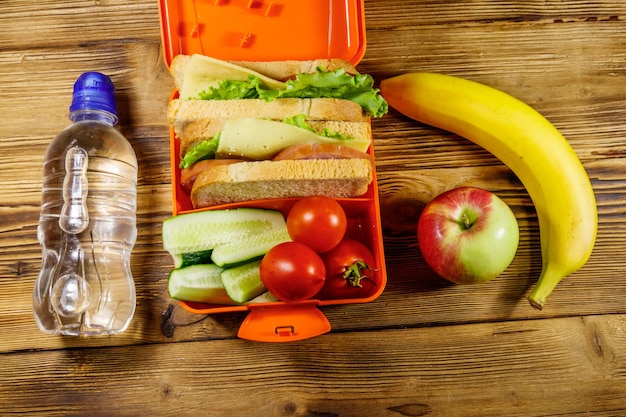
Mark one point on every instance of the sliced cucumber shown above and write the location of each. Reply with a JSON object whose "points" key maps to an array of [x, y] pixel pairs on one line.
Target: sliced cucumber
{"points": [[249, 248], [199, 283], [266, 297], [243, 283], [186, 259], [205, 230]]}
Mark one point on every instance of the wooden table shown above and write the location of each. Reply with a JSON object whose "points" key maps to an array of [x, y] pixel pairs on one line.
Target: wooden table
{"points": [[424, 347]]}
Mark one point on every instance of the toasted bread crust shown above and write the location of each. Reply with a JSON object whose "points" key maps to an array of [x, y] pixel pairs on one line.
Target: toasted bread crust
{"points": [[278, 70], [182, 112], [247, 181], [197, 131]]}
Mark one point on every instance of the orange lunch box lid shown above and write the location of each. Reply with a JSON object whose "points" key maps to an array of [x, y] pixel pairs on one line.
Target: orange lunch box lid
{"points": [[262, 30]]}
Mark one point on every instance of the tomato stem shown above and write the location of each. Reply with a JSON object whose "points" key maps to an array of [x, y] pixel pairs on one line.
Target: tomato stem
{"points": [[353, 273]]}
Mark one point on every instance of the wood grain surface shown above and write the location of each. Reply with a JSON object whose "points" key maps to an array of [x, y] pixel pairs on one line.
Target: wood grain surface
{"points": [[424, 347]]}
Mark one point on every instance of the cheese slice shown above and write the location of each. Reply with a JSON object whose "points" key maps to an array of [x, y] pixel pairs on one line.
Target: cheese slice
{"points": [[260, 139], [203, 72]]}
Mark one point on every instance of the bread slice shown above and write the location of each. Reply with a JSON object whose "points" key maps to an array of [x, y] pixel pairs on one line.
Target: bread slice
{"points": [[203, 129], [278, 70], [181, 113], [247, 181]]}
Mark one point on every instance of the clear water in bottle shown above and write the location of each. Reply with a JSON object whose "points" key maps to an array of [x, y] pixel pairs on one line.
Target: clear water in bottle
{"points": [[87, 227]]}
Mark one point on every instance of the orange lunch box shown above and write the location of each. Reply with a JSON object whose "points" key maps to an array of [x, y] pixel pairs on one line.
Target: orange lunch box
{"points": [[255, 30]]}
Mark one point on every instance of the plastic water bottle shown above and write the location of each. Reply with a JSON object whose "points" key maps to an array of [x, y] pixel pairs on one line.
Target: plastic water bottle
{"points": [[87, 227]]}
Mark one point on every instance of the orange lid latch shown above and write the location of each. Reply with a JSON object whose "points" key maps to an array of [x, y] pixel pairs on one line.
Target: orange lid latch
{"points": [[284, 322], [285, 331]]}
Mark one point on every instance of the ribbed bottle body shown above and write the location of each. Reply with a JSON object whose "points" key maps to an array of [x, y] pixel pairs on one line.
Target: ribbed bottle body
{"points": [[87, 230]]}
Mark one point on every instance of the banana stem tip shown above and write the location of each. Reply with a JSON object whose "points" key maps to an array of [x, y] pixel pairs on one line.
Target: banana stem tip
{"points": [[536, 304]]}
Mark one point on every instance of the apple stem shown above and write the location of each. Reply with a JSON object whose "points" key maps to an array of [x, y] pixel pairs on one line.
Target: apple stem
{"points": [[466, 221]]}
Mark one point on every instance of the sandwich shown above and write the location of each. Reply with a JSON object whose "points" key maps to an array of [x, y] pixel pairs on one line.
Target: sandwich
{"points": [[256, 130]]}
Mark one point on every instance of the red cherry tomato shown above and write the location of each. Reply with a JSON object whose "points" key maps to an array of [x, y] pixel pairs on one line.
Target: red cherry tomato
{"points": [[350, 272], [319, 222], [292, 271]]}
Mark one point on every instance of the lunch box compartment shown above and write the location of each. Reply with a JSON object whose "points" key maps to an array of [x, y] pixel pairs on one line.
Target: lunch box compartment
{"points": [[266, 31]]}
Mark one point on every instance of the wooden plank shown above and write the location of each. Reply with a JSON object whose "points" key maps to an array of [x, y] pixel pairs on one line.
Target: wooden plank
{"points": [[484, 13], [566, 367], [32, 25]]}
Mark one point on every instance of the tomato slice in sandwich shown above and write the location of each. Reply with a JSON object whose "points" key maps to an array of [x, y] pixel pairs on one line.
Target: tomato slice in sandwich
{"points": [[189, 175], [319, 151]]}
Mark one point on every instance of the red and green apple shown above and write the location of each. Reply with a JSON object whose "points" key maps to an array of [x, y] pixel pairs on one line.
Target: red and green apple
{"points": [[468, 235]]}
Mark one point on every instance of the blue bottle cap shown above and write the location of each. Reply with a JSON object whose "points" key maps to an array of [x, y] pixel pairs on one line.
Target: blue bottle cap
{"points": [[94, 91]]}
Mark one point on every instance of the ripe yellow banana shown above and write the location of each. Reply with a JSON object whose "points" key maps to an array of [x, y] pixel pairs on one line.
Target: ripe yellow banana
{"points": [[529, 145]]}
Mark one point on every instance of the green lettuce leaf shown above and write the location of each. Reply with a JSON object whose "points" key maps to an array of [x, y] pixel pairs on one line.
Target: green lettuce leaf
{"points": [[203, 150], [320, 84], [233, 90]]}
